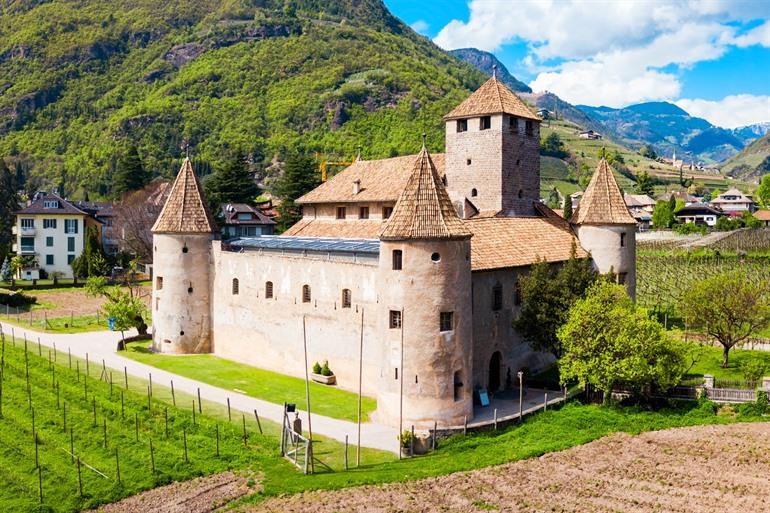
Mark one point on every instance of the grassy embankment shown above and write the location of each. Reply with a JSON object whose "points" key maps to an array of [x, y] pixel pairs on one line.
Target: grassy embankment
{"points": [[270, 386], [557, 429]]}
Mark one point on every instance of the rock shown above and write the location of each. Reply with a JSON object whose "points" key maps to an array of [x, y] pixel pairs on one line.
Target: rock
{"points": [[180, 55]]}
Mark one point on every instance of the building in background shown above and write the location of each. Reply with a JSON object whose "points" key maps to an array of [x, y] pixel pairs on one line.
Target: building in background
{"points": [[734, 203], [242, 220]]}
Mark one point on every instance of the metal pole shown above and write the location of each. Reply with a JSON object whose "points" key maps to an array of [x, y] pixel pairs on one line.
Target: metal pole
{"points": [[401, 391], [521, 394], [307, 397], [360, 382]]}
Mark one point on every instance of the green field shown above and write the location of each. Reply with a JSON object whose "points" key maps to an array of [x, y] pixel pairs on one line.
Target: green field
{"points": [[270, 386]]}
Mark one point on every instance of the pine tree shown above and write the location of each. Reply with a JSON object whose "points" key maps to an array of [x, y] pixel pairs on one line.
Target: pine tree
{"points": [[567, 207], [300, 176], [233, 182], [9, 203], [93, 261], [130, 175]]}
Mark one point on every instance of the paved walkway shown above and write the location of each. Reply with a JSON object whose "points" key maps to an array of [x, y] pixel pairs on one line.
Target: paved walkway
{"points": [[102, 345]]}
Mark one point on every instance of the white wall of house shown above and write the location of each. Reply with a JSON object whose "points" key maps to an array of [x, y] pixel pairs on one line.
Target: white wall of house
{"points": [[53, 239]]}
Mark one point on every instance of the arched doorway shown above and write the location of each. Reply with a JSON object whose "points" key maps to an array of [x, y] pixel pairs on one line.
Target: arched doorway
{"points": [[494, 372]]}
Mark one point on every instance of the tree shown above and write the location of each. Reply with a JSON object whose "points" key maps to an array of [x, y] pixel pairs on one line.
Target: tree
{"points": [[648, 151], [546, 296], [125, 303], [134, 217], [763, 191], [9, 203], [92, 261], [567, 207], [300, 176], [608, 339], [644, 184], [728, 307], [553, 146], [232, 182], [5, 270], [129, 175], [663, 215]]}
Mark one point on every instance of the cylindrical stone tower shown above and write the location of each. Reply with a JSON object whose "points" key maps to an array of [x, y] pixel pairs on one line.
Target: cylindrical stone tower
{"points": [[181, 297], [425, 279], [606, 228]]}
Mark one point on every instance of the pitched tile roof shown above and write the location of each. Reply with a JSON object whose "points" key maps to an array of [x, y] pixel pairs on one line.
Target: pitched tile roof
{"points": [[503, 242], [424, 210], [762, 215], [38, 206], [602, 202], [493, 97], [231, 212], [185, 210], [348, 229], [380, 181]]}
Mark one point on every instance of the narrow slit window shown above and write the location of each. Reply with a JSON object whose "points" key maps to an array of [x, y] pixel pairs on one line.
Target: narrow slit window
{"points": [[236, 287], [346, 298], [306, 293], [158, 282], [395, 319], [398, 257], [622, 240], [269, 290]]}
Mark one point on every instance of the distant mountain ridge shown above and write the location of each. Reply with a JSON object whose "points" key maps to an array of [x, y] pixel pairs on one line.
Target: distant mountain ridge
{"points": [[752, 162], [485, 62], [669, 128]]}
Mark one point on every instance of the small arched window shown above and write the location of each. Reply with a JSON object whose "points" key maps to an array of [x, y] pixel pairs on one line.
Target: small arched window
{"points": [[306, 293], [268, 290], [474, 193], [236, 286], [346, 298]]}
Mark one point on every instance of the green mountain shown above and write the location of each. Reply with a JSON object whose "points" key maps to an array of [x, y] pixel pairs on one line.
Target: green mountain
{"points": [[752, 162], [668, 129], [486, 62], [82, 80]]}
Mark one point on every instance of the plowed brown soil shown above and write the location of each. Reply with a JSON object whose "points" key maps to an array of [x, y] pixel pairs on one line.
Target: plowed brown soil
{"points": [[689, 470]]}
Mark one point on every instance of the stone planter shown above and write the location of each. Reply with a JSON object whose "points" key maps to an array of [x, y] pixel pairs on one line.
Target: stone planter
{"points": [[326, 380]]}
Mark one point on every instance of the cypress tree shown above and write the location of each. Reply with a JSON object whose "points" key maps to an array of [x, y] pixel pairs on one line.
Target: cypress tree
{"points": [[300, 176], [567, 207], [9, 203], [130, 175], [233, 182]]}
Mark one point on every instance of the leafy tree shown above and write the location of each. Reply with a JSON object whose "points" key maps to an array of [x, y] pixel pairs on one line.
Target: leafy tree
{"points": [[547, 295], [553, 146], [749, 221], [763, 191], [567, 207], [125, 304], [644, 184], [729, 307], [92, 261], [300, 176], [727, 224], [9, 203], [130, 174], [608, 339], [663, 215], [648, 151], [233, 182]]}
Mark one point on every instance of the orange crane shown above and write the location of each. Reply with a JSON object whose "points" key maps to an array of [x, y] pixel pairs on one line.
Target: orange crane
{"points": [[324, 164]]}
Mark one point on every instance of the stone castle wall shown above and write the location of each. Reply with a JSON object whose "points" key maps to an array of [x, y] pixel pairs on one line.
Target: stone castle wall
{"points": [[604, 244]]}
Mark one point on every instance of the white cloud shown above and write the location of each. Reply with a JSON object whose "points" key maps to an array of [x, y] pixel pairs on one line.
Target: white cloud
{"points": [[757, 36], [730, 111], [420, 26]]}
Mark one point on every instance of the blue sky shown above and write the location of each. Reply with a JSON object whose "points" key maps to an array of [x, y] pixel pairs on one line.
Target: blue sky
{"points": [[710, 57]]}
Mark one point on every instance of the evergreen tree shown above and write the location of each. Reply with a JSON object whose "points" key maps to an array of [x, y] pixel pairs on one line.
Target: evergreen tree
{"points": [[9, 203], [130, 175], [233, 182], [300, 176], [567, 207], [644, 184], [93, 261], [5, 270]]}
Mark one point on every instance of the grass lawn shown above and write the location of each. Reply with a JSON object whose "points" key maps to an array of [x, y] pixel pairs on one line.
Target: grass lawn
{"points": [[710, 362], [270, 386], [554, 430], [77, 324]]}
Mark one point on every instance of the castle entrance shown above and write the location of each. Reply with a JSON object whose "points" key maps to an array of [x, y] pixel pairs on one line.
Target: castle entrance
{"points": [[494, 372]]}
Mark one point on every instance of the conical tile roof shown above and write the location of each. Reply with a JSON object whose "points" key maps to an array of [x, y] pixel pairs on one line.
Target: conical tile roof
{"points": [[424, 210], [602, 201], [185, 210], [493, 97]]}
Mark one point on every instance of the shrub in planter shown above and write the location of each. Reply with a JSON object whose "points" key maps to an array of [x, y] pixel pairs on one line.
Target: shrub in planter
{"points": [[316, 368], [325, 370]]}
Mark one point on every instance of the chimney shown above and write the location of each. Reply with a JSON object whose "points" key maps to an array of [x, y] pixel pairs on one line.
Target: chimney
{"points": [[356, 187]]}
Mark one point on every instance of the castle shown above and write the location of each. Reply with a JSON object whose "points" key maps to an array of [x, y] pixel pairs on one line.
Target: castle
{"points": [[404, 269]]}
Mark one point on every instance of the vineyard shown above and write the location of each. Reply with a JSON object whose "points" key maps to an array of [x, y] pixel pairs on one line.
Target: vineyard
{"points": [[72, 439]]}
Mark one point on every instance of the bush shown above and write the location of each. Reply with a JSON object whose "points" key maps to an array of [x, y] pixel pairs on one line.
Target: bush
{"points": [[316, 368], [406, 439], [753, 370], [688, 228], [16, 299], [756, 408], [325, 370]]}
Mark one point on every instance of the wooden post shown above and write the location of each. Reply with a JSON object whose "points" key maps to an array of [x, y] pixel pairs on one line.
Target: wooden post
{"points": [[105, 432], [495, 419], [122, 406], [87, 366], [360, 384], [433, 441], [411, 442], [149, 400], [465, 425], [173, 395], [150, 385], [229, 415], [193, 411], [200, 407], [245, 438], [545, 402], [346, 452], [259, 424], [125, 376], [152, 457], [521, 395]]}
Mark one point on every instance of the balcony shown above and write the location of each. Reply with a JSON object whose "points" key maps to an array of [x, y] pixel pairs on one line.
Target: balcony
{"points": [[27, 250], [24, 232]]}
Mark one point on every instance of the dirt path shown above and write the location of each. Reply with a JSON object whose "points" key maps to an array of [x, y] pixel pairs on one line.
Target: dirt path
{"points": [[73, 301], [689, 470], [200, 495]]}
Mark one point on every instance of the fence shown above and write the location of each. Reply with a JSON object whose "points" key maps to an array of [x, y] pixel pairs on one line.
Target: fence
{"points": [[25, 316], [295, 447]]}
